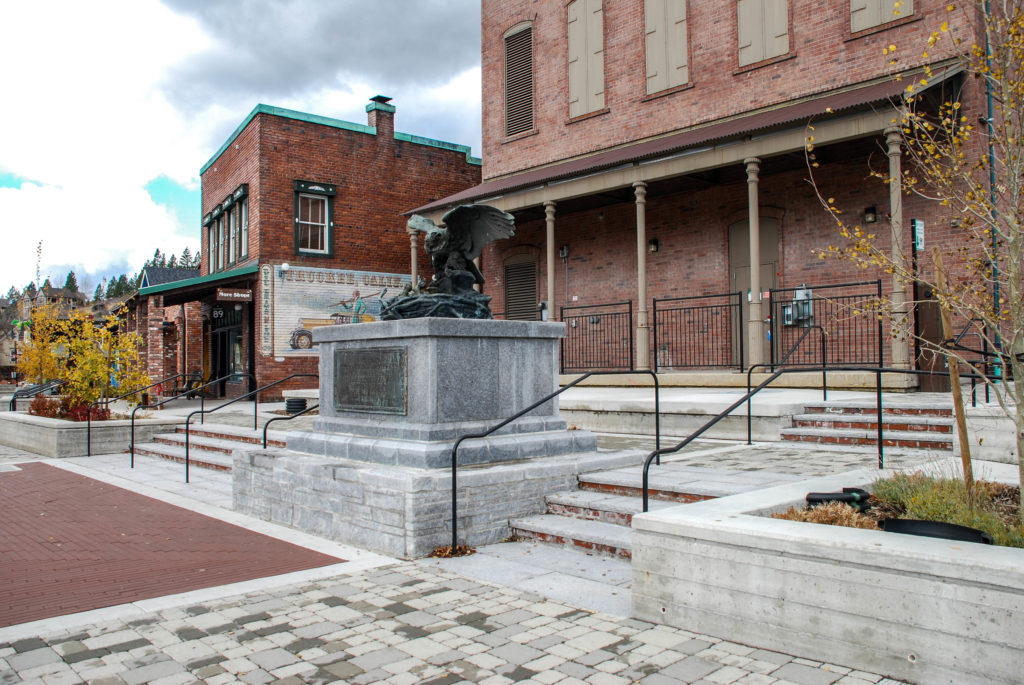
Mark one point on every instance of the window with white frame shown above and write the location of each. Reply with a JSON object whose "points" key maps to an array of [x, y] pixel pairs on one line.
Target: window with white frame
{"points": [[313, 223], [227, 228]]}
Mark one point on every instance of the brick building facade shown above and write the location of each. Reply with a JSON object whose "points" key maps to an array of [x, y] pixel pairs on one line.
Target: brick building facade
{"points": [[302, 227], [655, 149]]}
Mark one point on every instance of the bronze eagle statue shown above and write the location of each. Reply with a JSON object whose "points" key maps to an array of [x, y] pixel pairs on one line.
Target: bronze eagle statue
{"points": [[453, 248]]}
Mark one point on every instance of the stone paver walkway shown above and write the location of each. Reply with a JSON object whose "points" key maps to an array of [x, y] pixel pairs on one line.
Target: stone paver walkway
{"points": [[407, 623]]}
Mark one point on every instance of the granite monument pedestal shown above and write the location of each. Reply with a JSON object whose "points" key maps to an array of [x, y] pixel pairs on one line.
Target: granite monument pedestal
{"points": [[394, 397]]}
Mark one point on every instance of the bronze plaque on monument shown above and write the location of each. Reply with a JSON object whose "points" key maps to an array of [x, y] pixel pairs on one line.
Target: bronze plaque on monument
{"points": [[370, 380]]}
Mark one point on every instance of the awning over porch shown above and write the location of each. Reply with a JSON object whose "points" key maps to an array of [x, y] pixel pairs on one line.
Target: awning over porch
{"points": [[191, 289]]}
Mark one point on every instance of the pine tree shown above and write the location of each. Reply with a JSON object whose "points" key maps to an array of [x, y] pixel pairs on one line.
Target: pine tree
{"points": [[111, 288], [186, 259], [172, 262], [123, 288], [30, 289], [98, 295], [71, 283], [13, 294]]}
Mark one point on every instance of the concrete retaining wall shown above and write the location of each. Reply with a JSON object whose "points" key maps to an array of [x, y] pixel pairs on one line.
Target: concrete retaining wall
{"points": [[60, 438], [919, 609]]}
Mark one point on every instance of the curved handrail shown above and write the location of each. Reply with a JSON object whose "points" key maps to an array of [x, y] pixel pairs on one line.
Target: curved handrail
{"points": [[32, 392], [547, 398], [878, 371], [156, 405], [255, 408], [285, 418], [88, 415]]}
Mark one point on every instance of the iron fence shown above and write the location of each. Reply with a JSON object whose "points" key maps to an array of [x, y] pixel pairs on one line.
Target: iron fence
{"points": [[846, 312], [598, 337], [700, 331]]}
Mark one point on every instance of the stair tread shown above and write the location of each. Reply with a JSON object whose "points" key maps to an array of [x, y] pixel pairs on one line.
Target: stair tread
{"points": [[886, 418], [604, 502], [206, 441], [208, 428], [195, 455], [856, 433], [872, 405], [577, 529]]}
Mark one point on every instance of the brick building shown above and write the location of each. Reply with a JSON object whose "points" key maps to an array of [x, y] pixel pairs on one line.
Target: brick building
{"points": [[302, 227], [654, 150]]}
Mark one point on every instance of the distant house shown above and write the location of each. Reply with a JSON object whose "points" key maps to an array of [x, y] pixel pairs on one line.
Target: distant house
{"points": [[302, 227]]}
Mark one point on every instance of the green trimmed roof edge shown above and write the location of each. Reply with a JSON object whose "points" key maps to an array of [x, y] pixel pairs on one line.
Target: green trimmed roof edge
{"points": [[208, 278], [334, 123]]}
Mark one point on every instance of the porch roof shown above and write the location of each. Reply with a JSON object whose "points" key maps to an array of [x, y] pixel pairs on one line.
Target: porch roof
{"points": [[825, 105], [191, 288]]}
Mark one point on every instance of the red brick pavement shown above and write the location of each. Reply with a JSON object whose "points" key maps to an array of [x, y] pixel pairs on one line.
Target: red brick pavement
{"points": [[69, 543]]}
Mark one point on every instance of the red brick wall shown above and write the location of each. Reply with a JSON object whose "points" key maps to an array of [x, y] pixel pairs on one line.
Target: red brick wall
{"points": [[825, 57]]}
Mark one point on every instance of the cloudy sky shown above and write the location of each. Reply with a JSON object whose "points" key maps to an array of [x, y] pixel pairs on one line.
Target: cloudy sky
{"points": [[110, 108]]}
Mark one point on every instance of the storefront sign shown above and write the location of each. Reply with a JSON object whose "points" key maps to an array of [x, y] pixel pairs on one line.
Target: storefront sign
{"points": [[234, 295]]}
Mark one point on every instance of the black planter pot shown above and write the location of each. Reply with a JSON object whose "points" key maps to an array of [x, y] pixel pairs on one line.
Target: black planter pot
{"points": [[934, 529]]}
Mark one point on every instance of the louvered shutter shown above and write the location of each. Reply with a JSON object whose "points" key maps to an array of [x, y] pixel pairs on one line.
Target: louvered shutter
{"points": [[521, 291], [519, 82]]}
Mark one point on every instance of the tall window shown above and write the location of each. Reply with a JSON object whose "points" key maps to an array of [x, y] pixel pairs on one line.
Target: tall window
{"points": [[586, 57], [665, 41], [762, 29], [220, 243], [211, 250], [313, 224], [232, 234], [519, 80], [866, 14], [243, 227]]}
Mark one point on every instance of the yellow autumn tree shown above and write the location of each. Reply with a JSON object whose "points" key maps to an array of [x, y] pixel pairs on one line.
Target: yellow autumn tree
{"points": [[102, 360], [970, 164], [38, 358]]}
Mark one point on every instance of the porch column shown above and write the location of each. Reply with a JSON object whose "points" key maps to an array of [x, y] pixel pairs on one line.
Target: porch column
{"points": [[413, 257], [643, 331], [900, 341], [755, 319], [549, 219]]}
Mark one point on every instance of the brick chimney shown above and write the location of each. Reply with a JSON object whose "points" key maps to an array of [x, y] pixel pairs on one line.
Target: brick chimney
{"points": [[381, 116]]}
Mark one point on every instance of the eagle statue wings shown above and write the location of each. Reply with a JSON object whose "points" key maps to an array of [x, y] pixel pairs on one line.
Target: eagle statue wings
{"points": [[452, 249]]}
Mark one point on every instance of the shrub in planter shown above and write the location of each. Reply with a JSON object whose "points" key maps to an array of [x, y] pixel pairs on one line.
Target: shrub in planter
{"points": [[45, 406]]}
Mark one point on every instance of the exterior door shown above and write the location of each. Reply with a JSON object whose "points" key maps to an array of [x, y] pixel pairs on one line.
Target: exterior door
{"points": [[739, 270]]}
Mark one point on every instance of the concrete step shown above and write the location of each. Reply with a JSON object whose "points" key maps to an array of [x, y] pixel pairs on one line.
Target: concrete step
{"points": [[847, 407], [196, 457], [210, 444], [235, 433], [890, 422], [592, 505], [593, 536], [849, 436]]}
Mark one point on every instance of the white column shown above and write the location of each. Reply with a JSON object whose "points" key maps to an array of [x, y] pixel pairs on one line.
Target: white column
{"points": [[549, 219], [643, 331], [755, 319], [898, 311], [413, 258]]}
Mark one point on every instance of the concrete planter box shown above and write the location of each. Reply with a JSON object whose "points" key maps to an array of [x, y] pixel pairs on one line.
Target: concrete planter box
{"points": [[60, 438], [991, 434], [919, 609]]}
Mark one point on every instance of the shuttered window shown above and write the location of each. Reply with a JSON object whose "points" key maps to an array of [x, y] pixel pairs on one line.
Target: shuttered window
{"points": [[866, 14], [762, 29], [586, 56], [519, 81], [521, 290], [665, 42]]}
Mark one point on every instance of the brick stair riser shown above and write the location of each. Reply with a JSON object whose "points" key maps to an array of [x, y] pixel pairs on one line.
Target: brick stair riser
{"points": [[208, 448], [587, 545], [898, 411], [873, 425], [886, 442], [628, 491], [248, 440], [617, 518], [193, 459]]}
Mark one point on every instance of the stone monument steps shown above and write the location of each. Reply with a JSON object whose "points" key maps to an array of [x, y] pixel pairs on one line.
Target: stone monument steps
{"points": [[206, 442], [199, 458], [233, 433], [595, 536]]}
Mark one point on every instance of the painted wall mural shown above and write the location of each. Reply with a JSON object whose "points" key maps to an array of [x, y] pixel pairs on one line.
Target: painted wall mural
{"points": [[306, 298]]}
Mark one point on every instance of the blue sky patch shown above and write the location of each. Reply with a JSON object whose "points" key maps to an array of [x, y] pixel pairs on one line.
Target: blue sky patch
{"points": [[11, 180], [186, 203]]}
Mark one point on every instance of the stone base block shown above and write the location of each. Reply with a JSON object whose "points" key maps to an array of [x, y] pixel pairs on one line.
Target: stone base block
{"points": [[400, 510]]}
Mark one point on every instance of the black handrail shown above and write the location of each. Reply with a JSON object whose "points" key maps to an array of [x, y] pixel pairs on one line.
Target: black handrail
{"points": [[202, 402], [547, 398], [255, 408], [824, 366], [33, 391], [285, 418], [108, 400], [878, 370]]}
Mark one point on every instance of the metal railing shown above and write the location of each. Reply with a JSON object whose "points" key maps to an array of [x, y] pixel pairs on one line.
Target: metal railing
{"points": [[108, 400], [700, 331], [840, 310], [597, 337], [285, 418], [877, 370], [527, 410], [156, 405], [255, 409], [32, 392]]}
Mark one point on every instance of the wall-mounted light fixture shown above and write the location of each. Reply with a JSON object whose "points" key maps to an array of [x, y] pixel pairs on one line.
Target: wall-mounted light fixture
{"points": [[653, 245], [285, 266], [870, 215], [563, 252]]}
